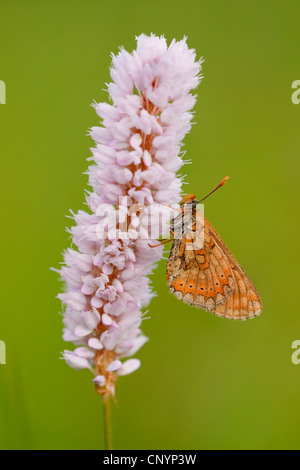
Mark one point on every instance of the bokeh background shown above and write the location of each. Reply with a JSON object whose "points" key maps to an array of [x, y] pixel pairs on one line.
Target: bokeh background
{"points": [[205, 382]]}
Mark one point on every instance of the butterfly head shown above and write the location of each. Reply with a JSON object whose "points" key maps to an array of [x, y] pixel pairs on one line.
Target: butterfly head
{"points": [[188, 198]]}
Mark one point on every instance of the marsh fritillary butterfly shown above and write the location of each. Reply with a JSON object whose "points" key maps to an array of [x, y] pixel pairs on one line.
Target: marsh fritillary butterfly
{"points": [[208, 276]]}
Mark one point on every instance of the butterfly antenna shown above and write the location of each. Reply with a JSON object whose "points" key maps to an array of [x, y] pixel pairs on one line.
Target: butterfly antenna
{"points": [[219, 186]]}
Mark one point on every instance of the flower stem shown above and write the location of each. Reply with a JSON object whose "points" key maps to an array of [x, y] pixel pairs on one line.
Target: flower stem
{"points": [[107, 423]]}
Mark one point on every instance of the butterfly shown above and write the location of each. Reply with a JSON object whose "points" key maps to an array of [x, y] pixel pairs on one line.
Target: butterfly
{"points": [[201, 270]]}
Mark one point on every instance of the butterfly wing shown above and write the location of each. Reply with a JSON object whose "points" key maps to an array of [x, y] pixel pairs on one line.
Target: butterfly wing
{"points": [[209, 277]]}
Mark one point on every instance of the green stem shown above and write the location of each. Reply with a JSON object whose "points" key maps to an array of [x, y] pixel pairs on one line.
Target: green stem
{"points": [[107, 423]]}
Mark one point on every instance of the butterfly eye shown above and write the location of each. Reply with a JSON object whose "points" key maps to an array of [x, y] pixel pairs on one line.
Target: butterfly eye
{"points": [[217, 283]]}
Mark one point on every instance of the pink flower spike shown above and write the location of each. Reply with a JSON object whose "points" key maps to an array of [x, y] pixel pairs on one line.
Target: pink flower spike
{"points": [[129, 366], [106, 319], [75, 361], [94, 343], [133, 183], [84, 352], [113, 366], [99, 380]]}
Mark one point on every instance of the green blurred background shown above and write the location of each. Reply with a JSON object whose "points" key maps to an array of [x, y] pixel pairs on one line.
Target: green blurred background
{"points": [[205, 382]]}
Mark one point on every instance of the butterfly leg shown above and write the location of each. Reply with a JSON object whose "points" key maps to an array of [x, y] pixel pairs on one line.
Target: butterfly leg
{"points": [[161, 243]]}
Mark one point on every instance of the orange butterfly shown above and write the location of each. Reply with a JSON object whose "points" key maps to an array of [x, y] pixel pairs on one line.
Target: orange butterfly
{"points": [[201, 270]]}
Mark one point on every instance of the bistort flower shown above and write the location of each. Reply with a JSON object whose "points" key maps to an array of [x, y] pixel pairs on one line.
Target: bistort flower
{"points": [[133, 178]]}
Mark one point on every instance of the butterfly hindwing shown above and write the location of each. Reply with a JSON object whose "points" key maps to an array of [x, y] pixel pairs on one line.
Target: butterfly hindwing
{"points": [[244, 302], [199, 274], [206, 275]]}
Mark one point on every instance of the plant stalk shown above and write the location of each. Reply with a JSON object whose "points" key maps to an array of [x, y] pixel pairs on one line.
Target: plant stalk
{"points": [[107, 423]]}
